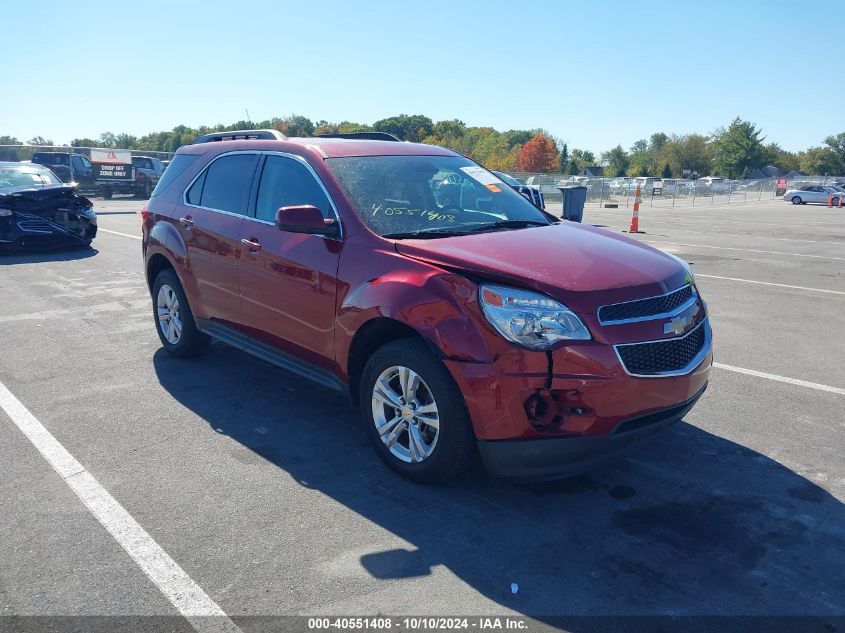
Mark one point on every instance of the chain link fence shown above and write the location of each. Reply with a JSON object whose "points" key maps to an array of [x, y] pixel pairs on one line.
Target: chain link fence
{"points": [[105, 173], [666, 192], [144, 168]]}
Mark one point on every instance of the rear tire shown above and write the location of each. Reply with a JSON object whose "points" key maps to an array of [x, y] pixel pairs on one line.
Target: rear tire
{"points": [[797, 200], [426, 437], [173, 317]]}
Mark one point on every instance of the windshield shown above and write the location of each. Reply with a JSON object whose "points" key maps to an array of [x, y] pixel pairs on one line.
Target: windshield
{"points": [[25, 177], [400, 196]]}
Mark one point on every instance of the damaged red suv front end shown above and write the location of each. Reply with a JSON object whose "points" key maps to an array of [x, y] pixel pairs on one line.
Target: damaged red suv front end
{"points": [[555, 410]]}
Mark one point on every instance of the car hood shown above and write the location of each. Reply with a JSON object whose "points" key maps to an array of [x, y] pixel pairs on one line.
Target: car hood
{"points": [[42, 198], [578, 264]]}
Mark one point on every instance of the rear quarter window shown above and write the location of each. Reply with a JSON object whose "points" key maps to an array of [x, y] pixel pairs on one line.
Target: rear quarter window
{"points": [[176, 168]]}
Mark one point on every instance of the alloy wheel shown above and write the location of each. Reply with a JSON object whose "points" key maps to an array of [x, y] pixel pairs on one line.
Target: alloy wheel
{"points": [[169, 314], [405, 414]]}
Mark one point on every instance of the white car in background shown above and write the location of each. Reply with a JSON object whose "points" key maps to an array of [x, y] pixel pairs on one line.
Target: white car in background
{"points": [[812, 193]]}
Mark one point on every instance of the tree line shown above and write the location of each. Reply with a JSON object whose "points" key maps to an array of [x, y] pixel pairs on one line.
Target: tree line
{"points": [[732, 151]]}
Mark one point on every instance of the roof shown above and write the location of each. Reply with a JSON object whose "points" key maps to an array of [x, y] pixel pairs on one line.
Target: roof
{"points": [[326, 147], [592, 171]]}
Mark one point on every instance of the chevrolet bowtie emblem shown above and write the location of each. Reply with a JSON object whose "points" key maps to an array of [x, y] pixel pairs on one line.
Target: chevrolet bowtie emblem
{"points": [[678, 325]]}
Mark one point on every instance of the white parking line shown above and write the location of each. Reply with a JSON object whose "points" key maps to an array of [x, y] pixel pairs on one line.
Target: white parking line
{"points": [[791, 381], [745, 250], [753, 237], [189, 599], [770, 283], [134, 237]]}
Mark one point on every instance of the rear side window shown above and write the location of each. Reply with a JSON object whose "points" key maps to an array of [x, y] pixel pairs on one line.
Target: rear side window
{"points": [[227, 183], [286, 182], [176, 168], [50, 159]]}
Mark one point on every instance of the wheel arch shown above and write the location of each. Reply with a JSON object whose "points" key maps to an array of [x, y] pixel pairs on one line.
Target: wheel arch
{"points": [[156, 263], [373, 334]]}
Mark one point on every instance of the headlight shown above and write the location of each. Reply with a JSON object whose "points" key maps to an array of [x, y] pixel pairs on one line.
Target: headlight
{"points": [[5, 213], [529, 318]]}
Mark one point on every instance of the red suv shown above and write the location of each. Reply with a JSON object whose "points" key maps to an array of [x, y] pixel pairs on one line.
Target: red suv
{"points": [[457, 315]]}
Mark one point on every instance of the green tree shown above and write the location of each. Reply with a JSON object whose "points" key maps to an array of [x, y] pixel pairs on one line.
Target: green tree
{"points": [[345, 127], [294, 125], [125, 141], [39, 140], [564, 157], [837, 145], [818, 161], [690, 152], [412, 128], [616, 160], [657, 141], [583, 157], [9, 153], [640, 159], [779, 157], [85, 142], [738, 149]]}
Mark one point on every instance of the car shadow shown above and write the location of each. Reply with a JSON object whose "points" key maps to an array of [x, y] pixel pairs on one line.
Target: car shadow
{"points": [[693, 525], [36, 256]]}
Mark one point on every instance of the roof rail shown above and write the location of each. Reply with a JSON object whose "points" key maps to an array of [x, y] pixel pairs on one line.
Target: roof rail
{"points": [[242, 135], [362, 136]]}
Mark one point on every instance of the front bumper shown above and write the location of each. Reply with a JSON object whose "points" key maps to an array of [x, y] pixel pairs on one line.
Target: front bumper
{"points": [[553, 458]]}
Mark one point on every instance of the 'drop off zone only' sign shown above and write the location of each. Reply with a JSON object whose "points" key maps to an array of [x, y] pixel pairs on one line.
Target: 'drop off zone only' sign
{"points": [[112, 164]]}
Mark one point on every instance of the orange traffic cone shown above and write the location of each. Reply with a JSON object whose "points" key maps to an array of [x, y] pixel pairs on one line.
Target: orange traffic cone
{"points": [[635, 219], [830, 201], [840, 200]]}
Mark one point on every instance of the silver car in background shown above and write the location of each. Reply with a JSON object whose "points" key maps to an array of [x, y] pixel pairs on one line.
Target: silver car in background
{"points": [[812, 193]]}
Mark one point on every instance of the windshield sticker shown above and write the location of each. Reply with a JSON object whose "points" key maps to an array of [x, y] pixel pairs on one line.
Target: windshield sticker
{"points": [[493, 188], [481, 175]]}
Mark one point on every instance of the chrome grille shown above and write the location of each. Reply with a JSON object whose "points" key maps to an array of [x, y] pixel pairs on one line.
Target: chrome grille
{"points": [[664, 357], [649, 307]]}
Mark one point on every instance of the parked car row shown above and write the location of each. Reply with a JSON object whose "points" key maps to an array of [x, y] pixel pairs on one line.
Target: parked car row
{"points": [[73, 167]]}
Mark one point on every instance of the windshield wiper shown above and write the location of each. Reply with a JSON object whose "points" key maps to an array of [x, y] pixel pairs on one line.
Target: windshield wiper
{"points": [[508, 224], [423, 234]]}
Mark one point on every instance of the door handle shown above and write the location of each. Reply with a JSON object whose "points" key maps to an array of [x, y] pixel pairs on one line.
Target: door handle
{"points": [[253, 244], [187, 222]]}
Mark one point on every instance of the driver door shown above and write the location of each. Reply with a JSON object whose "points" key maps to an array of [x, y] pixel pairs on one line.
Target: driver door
{"points": [[288, 281]]}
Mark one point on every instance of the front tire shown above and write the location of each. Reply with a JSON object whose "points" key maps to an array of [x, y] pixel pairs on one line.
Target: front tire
{"points": [[173, 317], [797, 200], [414, 413]]}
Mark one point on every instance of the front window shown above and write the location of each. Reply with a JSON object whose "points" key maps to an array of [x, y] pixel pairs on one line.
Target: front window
{"points": [[430, 196], [14, 177]]}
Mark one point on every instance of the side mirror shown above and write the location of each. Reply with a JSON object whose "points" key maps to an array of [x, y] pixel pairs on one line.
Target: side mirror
{"points": [[306, 218]]}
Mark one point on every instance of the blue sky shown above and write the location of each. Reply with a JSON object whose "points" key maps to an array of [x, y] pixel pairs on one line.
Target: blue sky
{"points": [[592, 73]]}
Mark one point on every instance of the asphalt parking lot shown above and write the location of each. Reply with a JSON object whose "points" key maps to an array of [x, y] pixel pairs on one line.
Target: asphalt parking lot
{"points": [[264, 491]]}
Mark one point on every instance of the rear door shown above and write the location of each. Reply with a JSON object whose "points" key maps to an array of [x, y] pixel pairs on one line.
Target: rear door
{"points": [[288, 281], [209, 220], [813, 194]]}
